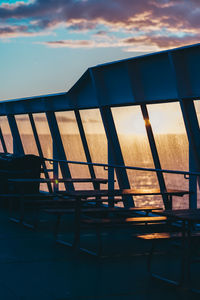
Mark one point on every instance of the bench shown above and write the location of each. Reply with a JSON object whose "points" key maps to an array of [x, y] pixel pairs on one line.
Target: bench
{"points": [[148, 228], [40, 200], [140, 224], [109, 217]]}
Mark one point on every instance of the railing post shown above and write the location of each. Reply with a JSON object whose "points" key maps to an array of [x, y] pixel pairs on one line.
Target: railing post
{"points": [[139, 95], [85, 144], [55, 168], [3, 142], [192, 181], [154, 153], [56, 137], [39, 148], [17, 143], [115, 151], [111, 173], [183, 83], [112, 136]]}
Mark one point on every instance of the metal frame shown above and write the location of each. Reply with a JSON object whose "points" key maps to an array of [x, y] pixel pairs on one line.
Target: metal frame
{"points": [[58, 147], [112, 137], [179, 62], [3, 142], [39, 148], [85, 144], [154, 153], [17, 143], [167, 76], [138, 93]]}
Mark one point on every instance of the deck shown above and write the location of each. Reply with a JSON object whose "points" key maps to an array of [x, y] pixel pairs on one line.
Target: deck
{"points": [[33, 266]]}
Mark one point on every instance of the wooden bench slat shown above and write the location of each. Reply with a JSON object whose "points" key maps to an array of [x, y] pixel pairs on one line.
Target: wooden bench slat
{"points": [[112, 221], [165, 235], [99, 209]]}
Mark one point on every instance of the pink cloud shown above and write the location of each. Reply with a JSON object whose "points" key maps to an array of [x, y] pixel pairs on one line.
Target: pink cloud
{"points": [[134, 44], [161, 23], [158, 42]]}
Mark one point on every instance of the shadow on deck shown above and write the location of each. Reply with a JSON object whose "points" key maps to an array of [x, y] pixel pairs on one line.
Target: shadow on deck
{"points": [[33, 266]]}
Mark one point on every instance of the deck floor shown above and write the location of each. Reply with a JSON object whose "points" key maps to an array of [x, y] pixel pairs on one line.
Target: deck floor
{"points": [[33, 266]]}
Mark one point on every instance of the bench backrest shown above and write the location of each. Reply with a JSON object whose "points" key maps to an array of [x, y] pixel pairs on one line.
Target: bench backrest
{"points": [[26, 166]]}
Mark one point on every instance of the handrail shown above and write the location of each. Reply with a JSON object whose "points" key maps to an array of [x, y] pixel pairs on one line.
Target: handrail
{"points": [[124, 167]]}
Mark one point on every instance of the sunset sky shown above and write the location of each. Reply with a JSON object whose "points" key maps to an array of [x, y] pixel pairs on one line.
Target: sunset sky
{"points": [[46, 45]]}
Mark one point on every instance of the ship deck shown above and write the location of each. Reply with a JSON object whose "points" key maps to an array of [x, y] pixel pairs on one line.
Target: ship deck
{"points": [[33, 266]]}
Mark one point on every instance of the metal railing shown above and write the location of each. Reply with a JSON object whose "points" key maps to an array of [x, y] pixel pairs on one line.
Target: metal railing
{"points": [[185, 173]]}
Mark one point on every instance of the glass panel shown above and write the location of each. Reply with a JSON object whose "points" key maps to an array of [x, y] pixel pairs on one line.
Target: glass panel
{"points": [[96, 138], [26, 134], [172, 144], [44, 134], [45, 140], [136, 151], [6, 133], [197, 107], [73, 146]]}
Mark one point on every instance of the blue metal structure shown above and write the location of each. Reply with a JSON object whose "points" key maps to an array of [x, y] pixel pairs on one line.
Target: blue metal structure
{"points": [[163, 77]]}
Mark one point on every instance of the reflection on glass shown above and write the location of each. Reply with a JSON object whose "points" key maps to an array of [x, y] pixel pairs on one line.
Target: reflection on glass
{"points": [[73, 145], [172, 144], [6, 133], [96, 138], [26, 134], [136, 151]]}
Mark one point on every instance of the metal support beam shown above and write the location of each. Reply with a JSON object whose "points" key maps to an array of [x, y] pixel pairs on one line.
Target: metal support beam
{"points": [[139, 94], [112, 136], [192, 181], [56, 137], [154, 152], [115, 151], [85, 144], [55, 167], [3, 141], [17, 143], [111, 173], [39, 148], [184, 87], [192, 129]]}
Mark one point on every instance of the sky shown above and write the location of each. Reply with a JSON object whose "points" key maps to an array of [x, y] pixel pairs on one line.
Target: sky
{"points": [[46, 45]]}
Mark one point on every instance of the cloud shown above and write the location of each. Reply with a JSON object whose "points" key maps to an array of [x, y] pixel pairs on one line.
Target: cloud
{"points": [[13, 31], [161, 42], [70, 44], [77, 44], [81, 25], [155, 23], [133, 44]]}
